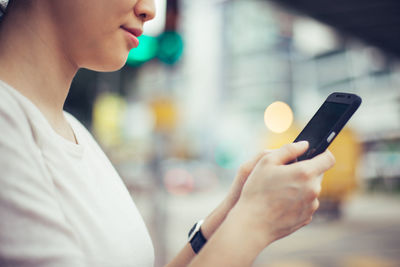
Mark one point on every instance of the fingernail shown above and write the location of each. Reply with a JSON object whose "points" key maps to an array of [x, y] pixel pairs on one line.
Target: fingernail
{"points": [[302, 143]]}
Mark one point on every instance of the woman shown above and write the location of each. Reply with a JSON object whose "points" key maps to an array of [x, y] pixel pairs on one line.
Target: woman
{"points": [[61, 201]]}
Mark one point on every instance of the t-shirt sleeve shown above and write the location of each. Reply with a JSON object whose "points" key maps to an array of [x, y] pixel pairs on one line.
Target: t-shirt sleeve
{"points": [[33, 228]]}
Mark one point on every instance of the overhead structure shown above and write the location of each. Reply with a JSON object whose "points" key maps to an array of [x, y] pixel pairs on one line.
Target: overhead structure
{"points": [[376, 22]]}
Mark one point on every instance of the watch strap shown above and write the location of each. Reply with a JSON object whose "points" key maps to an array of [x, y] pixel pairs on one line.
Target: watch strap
{"points": [[196, 237], [198, 241]]}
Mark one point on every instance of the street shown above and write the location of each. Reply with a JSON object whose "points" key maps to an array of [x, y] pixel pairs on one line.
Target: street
{"points": [[367, 235]]}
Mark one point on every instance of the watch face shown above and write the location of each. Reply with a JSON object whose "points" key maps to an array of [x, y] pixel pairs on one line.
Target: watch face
{"points": [[195, 229], [191, 231]]}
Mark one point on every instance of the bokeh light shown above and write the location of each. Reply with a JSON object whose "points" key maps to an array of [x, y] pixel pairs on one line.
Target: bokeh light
{"points": [[138, 121], [278, 117], [178, 181]]}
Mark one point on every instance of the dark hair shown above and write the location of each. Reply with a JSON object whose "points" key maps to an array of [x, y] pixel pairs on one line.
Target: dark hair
{"points": [[3, 8]]}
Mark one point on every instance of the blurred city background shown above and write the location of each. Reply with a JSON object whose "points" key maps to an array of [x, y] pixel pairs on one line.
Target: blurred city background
{"points": [[213, 82]]}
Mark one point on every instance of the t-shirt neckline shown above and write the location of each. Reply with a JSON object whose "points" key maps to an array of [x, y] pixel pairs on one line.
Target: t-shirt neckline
{"points": [[75, 148]]}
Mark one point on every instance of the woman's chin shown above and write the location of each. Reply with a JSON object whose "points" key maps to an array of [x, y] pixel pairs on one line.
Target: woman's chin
{"points": [[108, 64]]}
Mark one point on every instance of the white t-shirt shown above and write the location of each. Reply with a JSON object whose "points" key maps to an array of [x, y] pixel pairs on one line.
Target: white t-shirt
{"points": [[62, 204]]}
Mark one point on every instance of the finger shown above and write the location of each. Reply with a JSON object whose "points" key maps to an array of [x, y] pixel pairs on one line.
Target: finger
{"points": [[314, 205], [247, 167], [288, 152], [267, 151], [256, 158], [310, 210], [318, 165], [253, 162], [319, 178], [313, 190]]}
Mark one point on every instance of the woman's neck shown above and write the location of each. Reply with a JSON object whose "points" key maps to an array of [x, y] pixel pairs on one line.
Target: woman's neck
{"points": [[32, 61]]}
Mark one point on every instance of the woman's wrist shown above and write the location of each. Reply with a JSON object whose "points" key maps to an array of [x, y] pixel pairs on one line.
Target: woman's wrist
{"points": [[242, 214], [236, 242], [237, 214], [215, 219]]}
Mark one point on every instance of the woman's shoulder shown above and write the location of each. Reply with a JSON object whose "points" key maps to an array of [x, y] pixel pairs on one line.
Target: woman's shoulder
{"points": [[18, 149], [12, 113], [18, 113]]}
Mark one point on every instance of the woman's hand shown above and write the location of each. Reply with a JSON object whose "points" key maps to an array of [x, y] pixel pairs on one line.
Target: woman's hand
{"points": [[275, 199], [278, 199], [267, 201], [241, 177], [213, 221], [217, 217]]}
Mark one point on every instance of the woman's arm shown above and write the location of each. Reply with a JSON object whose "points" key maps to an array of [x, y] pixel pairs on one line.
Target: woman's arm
{"points": [[214, 220], [276, 200], [211, 223]]}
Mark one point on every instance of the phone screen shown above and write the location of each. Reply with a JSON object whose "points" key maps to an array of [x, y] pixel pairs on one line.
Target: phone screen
{"points": [[321, 125]]}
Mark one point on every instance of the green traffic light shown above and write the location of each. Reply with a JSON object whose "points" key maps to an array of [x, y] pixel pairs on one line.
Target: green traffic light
{"points": [[167, 47], [170, 47], [147, 50]]}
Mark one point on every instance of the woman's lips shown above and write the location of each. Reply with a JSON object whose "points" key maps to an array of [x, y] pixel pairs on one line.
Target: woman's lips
{"points": [[133, 35]]}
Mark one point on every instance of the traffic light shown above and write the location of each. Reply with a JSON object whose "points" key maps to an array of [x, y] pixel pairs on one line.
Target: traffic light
{"points": [[166, 47], [170, 47], [147, 50]]}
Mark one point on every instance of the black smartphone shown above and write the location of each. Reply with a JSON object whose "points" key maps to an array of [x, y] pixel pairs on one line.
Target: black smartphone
{"points": [[326, 124]]}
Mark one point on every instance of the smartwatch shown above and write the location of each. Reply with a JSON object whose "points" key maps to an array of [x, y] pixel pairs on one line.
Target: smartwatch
{"points": [[196, 237]]}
